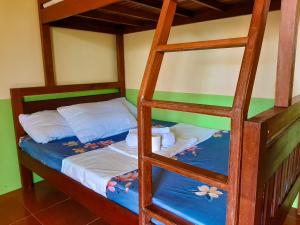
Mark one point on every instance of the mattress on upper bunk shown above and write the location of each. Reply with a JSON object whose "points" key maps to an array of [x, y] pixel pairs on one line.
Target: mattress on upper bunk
{"points": [[187, 198]]}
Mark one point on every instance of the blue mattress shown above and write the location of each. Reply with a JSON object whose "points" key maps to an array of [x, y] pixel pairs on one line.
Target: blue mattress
{"points": [[187, 198]]}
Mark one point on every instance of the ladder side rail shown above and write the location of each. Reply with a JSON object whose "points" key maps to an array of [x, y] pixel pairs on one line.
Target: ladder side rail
{"points": [[241, 104], [144, 113]]}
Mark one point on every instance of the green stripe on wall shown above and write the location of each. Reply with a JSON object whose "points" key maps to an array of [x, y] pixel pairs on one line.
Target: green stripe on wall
{"points": [[257, 105], [70, 94]]}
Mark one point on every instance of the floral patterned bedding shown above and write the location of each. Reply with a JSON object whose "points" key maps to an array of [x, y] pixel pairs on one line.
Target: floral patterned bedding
{"points": [[187, 198]]}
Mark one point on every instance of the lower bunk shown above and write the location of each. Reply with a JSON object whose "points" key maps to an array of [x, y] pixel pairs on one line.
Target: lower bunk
{"points": [[270, 177], [92, 165]]}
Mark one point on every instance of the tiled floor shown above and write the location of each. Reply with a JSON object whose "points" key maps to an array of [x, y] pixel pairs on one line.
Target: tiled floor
{"points": [[47, 206], [44, 205]]}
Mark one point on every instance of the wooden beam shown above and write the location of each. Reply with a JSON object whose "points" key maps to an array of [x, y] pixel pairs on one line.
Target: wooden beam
{"points": [[158, 5], [121, 63], [132, 12], [47, 54], [290, 11], [209, 14], [115, 18], [69, 8], [212, 4], [80, 23]]}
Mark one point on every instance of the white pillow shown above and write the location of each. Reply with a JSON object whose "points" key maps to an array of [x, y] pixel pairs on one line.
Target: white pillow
{"points": [[91, 121], [131, 107], [45, 126]]}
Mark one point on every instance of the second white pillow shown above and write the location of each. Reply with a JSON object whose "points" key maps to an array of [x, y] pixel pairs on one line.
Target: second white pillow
{"points": [[91, 121]]}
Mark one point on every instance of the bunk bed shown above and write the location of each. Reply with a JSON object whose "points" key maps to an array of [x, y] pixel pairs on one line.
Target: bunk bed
{"points": [[263, 172]]}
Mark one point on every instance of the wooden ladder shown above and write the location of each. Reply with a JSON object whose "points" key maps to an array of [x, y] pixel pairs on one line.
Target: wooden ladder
{"points": [[237, 113]]}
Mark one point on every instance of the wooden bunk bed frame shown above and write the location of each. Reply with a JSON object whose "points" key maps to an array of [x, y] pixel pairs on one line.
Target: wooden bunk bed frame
{"points": [[264, 168]]}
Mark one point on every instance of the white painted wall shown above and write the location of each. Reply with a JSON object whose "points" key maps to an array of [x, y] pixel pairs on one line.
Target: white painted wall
{"points": [[209, 71], [82, 57]]}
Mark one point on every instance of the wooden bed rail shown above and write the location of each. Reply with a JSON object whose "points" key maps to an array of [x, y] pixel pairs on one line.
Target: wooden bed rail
{"points": [[270, 165], [20, 106]]}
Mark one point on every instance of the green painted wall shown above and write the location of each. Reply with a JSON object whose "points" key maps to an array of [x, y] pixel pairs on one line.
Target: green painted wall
{"points": [[295, 205], [9, 175]]}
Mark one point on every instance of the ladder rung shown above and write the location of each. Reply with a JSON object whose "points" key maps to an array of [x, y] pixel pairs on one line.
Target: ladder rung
{"points": [[205, 176], [190, 107], [164, 216], [203, 45]]}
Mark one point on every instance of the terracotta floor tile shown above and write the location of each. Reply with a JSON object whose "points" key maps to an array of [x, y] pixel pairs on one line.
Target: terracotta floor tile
{"points": [[52, 207], [11, 208], [68, 212], [27, 221], [42, 196]]}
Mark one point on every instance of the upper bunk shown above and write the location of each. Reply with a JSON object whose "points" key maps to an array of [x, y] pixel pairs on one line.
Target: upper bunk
{"points": [[128, 16]]}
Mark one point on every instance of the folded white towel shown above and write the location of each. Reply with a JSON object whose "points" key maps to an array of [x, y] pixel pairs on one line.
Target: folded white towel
{"points": [[132, 139], [155, 130], [167, 137], [168, 140], [181, 144]]}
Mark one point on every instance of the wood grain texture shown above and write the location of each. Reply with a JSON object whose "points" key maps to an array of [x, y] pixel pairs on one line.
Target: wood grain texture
{"points": [[144, 113], [121, 63], [275, 166], [202, 175], [241, 104], [164, 216], [204, 45], [290, 12], [69, 8], [221, 111], [46, 43], [126, 16], [251, 195]]}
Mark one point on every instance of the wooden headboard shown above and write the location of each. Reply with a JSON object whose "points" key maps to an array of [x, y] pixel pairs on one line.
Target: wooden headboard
{"points": [[20, 105]]}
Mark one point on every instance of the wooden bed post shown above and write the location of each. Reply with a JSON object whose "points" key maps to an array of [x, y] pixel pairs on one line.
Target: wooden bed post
{"points": [[121, 63], [26, 175], [241, 104], [46, 50], [290, 10]]}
